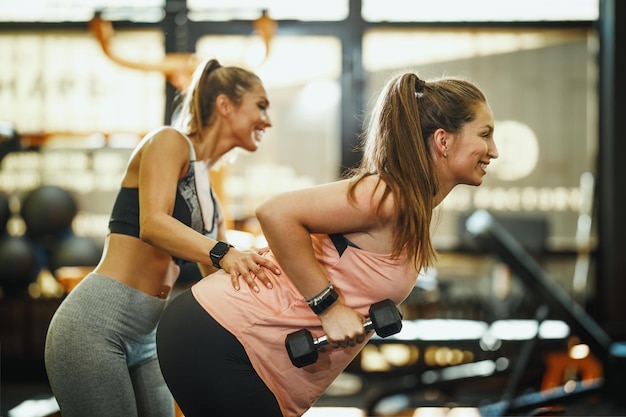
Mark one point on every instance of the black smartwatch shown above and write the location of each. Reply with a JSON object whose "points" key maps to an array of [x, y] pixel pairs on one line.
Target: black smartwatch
{"points": [[218, 252]]}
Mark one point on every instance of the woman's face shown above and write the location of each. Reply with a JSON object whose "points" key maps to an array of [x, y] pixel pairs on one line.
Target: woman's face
{"points": [[250, 119], [473, 148]]}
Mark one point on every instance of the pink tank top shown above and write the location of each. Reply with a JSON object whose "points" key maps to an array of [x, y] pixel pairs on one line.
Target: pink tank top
{"points": [[261, 321]]}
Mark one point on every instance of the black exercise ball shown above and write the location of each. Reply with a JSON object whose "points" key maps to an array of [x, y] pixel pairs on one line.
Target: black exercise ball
{"points": [[18, 263], [48, 210], [74, 251], [5, 213]]}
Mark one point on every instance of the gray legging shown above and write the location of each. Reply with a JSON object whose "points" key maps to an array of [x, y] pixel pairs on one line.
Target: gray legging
{"points": [[100, 352]]}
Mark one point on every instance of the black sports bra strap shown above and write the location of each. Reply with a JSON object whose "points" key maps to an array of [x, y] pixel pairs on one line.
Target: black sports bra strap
{"points": [[341, 243]]}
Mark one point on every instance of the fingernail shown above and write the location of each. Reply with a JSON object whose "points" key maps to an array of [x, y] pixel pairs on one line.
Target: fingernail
{"points": [[256, 289], [277, 271], [237, 288], [269, 285]]}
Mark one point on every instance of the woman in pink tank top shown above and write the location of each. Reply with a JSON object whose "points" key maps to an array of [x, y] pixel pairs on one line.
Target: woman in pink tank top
{"points": [[341, 247]]}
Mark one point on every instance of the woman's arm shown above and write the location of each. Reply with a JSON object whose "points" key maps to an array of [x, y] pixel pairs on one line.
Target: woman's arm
{"points": [[289, 219], [221, 236], [164, 159], [242, 260]]}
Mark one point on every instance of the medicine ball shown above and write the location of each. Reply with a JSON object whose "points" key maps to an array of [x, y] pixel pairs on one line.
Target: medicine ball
{"points": [[48, 210], [18, 263], [74, 251]]}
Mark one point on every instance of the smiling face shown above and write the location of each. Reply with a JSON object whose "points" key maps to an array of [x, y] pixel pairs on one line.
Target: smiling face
{"points": [[250, 119], [469, 152]]}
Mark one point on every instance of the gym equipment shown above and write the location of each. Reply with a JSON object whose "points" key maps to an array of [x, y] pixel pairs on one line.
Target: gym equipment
{"points": [[302, 347], [490, 234], [18, 263], [74, 251], [48, 210]]}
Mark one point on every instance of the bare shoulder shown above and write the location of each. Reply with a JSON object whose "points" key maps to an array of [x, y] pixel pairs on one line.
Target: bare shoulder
{"points": [[372, 191], [166, 133], [166, 140], [160, 149]]}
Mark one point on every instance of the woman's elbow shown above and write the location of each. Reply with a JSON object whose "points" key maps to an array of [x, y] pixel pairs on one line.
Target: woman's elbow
{"points": [[147, 233], [261, 212], [266, 213]]}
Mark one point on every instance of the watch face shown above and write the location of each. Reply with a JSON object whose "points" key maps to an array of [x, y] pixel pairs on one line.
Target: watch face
{"points": [[218, 252], [219, 249]]}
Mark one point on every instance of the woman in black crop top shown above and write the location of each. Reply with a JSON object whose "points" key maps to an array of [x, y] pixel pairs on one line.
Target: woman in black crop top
{"points": [[100, 349]]}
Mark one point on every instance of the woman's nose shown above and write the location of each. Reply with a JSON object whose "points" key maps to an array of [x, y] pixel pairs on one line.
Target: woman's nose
{"points": [[493, 151]]}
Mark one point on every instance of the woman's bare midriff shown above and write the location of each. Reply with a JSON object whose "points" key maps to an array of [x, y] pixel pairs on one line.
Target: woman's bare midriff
{"points": [[139, 265]]}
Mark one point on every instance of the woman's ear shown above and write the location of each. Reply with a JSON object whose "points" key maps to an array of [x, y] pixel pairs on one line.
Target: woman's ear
{"points": [[222, 104], [440, 142]]}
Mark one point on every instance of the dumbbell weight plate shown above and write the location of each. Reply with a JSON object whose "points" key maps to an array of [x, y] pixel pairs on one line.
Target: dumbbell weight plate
{"points": [[386, 318], [301, 348]]}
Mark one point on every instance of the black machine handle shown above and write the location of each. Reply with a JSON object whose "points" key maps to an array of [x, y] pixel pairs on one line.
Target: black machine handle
{"points": [[492, 235]]}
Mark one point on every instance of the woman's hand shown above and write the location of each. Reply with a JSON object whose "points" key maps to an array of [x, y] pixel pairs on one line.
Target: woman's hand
{"points": [[343, 326], [248, 265], [263, 251]]}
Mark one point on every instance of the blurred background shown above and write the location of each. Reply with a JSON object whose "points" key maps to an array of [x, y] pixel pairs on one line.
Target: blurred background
{"points": [[82, 81]]}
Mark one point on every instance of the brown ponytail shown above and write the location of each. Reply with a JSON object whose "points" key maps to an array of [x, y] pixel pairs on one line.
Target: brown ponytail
{"points": [[210, 79], [397, 147]]}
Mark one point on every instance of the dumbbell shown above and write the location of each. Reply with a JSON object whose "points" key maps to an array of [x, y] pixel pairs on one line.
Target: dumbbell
{"points": [[384, 318]]}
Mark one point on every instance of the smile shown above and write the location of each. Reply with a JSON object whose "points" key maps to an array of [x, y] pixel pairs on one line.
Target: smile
{"points": [[258, 133]]}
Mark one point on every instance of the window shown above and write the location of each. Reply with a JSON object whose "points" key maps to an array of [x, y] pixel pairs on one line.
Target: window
{"points": [[479, 10]]}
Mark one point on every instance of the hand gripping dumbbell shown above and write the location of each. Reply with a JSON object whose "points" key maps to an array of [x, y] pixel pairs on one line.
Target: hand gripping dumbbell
{"points": [[384, 317]]}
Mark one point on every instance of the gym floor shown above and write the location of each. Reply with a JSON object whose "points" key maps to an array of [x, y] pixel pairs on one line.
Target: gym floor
{"points": [[342, 401]]}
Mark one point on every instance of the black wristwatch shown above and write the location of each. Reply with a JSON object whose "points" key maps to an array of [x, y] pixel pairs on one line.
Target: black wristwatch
{"points": [[218, 252]]}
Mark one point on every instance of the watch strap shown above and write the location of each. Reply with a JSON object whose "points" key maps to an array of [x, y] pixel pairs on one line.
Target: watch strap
{"points": [[320, 305]]}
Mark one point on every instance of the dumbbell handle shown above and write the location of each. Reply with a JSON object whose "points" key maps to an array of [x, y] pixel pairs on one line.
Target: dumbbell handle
{"points": [[323, 340]]}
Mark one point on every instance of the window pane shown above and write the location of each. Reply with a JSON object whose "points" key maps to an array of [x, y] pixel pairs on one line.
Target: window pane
{"points": [[63, 82], [479, 10], [80, 10], [219, 10]]}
